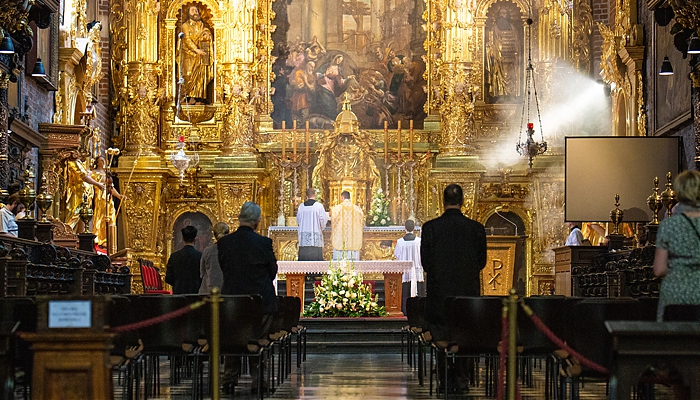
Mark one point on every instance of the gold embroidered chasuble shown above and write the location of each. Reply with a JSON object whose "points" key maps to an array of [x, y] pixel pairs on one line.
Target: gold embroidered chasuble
{"points": [[347, 224]]}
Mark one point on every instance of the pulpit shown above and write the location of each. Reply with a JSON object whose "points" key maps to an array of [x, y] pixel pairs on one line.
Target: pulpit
{"points": [[71, 349], [497, 276], [296, 271]]}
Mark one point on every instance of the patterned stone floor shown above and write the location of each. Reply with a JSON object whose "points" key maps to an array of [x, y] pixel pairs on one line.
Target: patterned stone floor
{"points": [[366, 376]]}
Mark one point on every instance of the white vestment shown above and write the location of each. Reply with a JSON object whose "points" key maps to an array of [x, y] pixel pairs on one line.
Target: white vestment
{"points": [[409, 250], [347, 226], [311, 219], [575, 238]]}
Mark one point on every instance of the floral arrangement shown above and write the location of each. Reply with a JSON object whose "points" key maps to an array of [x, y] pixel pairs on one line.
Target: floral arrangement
{"points": [[342, 294], [379, 210]]}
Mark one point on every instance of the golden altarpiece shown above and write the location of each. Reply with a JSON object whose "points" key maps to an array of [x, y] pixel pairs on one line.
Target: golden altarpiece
{"points": [[197, 99]]}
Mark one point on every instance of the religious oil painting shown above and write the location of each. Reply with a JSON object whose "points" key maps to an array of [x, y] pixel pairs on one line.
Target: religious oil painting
{"points": [[504, 55], [194, 54], [368, 50], [199, 221]]}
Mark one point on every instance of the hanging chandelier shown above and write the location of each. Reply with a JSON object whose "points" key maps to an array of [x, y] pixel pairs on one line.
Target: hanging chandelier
{"points": [[179, 159], [530, 148]]}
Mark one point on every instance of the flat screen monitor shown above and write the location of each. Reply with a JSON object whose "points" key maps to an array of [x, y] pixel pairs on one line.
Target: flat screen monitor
{"points": [[598, 168]]}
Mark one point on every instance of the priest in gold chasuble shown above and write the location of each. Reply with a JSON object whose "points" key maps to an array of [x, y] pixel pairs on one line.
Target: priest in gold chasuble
{"points": [[347, 225]]}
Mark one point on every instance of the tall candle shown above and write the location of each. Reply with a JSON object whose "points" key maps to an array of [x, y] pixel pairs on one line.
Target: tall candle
{"points": [[410, 138], [294, 140], [283, 134], [398, 141], [306, 139], [386, 142]]}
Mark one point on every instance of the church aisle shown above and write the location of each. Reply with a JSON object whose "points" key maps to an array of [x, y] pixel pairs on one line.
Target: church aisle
{"points": [[367, 376]]}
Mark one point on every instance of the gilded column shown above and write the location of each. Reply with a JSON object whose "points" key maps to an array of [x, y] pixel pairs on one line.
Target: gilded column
{"points": [[141, 23], [141, 216], [458, 95], [141, 111], [237, 130], [452, 91], [4, 149]]}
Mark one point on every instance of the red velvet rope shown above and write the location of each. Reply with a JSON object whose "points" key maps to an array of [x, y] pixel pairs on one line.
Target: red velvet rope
{"points": [[562, 345], [157, 320]]}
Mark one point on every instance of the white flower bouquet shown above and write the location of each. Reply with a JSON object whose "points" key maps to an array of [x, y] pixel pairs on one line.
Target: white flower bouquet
{"points": [[342, 294], [378, 214]]}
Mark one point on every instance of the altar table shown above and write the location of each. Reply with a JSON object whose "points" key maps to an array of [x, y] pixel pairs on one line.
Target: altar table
{"points": [[391, 269]]}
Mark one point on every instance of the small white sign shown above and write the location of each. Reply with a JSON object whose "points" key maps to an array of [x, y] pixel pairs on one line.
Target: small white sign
{"points": [[70, 314]]}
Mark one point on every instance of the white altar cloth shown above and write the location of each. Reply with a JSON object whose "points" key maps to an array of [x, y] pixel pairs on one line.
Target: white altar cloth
{"points": [[312, 267]]}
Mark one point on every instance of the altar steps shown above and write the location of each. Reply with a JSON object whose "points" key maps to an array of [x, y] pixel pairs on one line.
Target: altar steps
{"points": [[354, 335]]}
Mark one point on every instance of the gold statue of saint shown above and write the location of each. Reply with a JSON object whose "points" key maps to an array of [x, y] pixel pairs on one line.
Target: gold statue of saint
{"points": [[194, 56], [104, 206], [503, 49], [78, 183], [143, 116]]}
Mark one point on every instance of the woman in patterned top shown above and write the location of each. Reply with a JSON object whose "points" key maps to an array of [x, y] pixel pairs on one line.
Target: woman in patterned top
{"points": [[677, 257]]}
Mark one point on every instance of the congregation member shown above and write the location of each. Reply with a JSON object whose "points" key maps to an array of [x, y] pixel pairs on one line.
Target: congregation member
{"points": [[453, 253], [408, 249], [209, 269], [8, 223], [575, 237], [249, 266], [183, 265], [677, 257], [311, 218], [347, 226], [21, 212]]}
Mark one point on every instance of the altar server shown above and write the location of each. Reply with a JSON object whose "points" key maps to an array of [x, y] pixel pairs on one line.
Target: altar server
{"points": [[408, 249], [347, 225], [312, 218]]}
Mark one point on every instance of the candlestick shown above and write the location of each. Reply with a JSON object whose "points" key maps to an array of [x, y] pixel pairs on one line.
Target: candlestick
{"points": [[386, 142], [398, 141], [294, 140], [283, 134], [410, 138], [306, 139]]}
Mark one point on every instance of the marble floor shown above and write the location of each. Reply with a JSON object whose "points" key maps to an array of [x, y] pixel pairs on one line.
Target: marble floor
{"points": [[367, 376]]}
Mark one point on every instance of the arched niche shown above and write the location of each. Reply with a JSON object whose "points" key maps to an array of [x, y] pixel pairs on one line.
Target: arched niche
{"points": [[505, 223], [200, 221], [621, 119]]}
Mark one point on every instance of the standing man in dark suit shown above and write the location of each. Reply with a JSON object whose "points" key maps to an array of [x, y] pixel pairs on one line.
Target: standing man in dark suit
{"points": [[249, 266], [183, 265], [453, 252]]}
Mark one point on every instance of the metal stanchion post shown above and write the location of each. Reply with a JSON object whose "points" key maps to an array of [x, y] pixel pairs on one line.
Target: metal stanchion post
{"points": [[512, 342], [214, 361]]}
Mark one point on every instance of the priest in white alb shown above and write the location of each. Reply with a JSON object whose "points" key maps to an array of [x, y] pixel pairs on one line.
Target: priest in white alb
{"points": [[408, 249], [347, 226], [312, 218]]}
